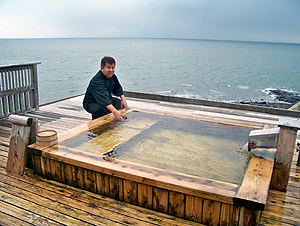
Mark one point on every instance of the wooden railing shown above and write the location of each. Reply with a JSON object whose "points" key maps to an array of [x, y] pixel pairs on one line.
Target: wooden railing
{"points": [[18, 88]]}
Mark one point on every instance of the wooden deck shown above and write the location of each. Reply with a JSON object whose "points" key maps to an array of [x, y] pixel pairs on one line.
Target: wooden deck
{"points": [[32, 200]]}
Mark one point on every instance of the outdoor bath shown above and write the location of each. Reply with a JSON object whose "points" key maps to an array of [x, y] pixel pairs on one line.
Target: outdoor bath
{"points": [[188, 146], [184, 167]]}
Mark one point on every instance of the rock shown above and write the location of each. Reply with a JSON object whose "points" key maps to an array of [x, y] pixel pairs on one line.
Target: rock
{"points": [[283, 99], [285, 96], [267, 104]]}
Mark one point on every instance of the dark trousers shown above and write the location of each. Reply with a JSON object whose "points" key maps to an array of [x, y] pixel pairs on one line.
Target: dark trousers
{"points": [[97, 111]]}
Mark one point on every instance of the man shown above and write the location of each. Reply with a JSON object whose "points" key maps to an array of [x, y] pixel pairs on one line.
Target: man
{"points": [[98, 98]]}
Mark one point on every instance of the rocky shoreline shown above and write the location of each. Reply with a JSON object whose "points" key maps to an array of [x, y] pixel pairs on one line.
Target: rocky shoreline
{"points": [[282, 99]]}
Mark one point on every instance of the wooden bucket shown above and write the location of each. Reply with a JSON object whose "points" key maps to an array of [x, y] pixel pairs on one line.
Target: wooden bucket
{"points": [[46, 138]]}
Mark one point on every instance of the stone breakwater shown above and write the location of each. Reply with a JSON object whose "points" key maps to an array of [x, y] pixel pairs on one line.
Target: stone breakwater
{"points": [[282, 99]]}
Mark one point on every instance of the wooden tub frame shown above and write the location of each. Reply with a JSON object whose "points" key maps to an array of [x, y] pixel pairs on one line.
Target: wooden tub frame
{"points": [[194, 198]]}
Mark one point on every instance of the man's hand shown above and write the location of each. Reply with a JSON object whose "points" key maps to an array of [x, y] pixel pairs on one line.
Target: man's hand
{"points": [[124, 102], [117, 114]]}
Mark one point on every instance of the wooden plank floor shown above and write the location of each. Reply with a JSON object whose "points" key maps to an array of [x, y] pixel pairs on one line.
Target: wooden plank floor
{"points": [[32, 200], [283, 208]]}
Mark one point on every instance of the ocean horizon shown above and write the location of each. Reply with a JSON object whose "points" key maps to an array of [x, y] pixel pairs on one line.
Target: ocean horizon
{"points": [[188, 39]]}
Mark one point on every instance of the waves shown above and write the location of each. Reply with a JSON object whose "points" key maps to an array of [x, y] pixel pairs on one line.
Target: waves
{"points": [[237, 72], [275, 97], [282, 98]]}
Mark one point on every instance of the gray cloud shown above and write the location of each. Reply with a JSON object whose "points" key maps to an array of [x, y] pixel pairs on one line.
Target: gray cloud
{"points": [[268, 20]]}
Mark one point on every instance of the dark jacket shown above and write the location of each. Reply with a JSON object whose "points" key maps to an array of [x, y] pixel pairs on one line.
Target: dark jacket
{"points": [[100, 89]]}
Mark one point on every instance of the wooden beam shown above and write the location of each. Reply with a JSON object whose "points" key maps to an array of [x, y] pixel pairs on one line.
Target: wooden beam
{"points": [[253, 191], [285, 151], [283, 160], [102, 122], [20, 120], [186, 184], [17, 153]]}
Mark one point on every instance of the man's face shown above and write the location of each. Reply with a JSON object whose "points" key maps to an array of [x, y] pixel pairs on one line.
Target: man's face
{"points": [[108, 70]]}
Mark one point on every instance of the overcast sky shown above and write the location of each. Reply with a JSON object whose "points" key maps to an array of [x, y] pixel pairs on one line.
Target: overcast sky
{"points": [[247, 20]]}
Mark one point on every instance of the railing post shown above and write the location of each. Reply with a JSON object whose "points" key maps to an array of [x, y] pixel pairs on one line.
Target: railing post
{"points": [[284, 155], [35, 97]]}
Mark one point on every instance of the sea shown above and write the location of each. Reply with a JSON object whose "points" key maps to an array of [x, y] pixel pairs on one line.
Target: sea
{"points": [[229, 71]]}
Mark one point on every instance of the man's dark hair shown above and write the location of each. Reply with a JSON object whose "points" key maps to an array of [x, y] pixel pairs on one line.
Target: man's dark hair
{"points": [[107, 59]]}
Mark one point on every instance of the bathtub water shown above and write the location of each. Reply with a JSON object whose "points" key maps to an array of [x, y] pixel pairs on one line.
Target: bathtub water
{"points": [[189, 146]]}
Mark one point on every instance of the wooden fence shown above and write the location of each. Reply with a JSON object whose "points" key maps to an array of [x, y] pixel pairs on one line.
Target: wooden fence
{"points": [[18, 88]]}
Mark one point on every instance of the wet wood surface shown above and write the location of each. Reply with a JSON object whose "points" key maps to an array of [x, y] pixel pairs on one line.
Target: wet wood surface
{"points": [[283, 160], [18, 144], [255, 186], [283, 208], [32, 200]]}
